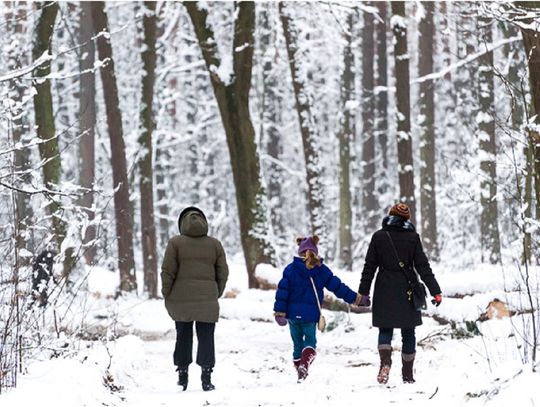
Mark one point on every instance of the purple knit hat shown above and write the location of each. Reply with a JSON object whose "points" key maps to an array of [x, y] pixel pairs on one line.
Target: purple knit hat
{"points": [[307, 243]]}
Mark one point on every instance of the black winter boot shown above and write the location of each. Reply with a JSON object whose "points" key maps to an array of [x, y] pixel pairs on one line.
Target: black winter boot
{"points": [[408, 367], [385, 353], [206, 379], [182, 376]]}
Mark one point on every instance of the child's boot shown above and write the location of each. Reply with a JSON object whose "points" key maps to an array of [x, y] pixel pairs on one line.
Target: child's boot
{"points": [[206, 379], [182, 376], [408, 367], [308, 356], [296, 363], [385, 353]]}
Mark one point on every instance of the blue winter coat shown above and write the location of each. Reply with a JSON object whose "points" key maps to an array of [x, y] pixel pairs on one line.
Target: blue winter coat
{"points": [[295, 296]]}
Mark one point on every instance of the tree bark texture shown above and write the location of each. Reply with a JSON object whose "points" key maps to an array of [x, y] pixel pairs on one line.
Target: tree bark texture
{"points": [[146, 185], [369, 202], [15, 18], [346, 137], [516, 61], [426, 122], [271, 106], [531, 41], [87, 123], [381, 96], [43, 107], [489, 227], [308, 128], [404, 139], [122, 204], [232, 95]]}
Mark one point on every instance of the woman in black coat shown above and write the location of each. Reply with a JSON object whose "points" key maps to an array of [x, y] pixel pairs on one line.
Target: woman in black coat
{"points": [[391, 305]]}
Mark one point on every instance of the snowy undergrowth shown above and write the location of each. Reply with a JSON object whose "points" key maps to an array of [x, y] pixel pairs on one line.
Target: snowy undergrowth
{"points": [[131, 363]]}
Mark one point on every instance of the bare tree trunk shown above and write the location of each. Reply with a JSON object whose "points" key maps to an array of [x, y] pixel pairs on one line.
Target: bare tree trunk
{"points": [[270, 120], [404, 139], [381, 96], [516, 61], [307, 127], [161, 192], [489, 225], [428, 202], [369, 202], [15, 18], [162, 160], [148, 227], [46, 131], [532, 48], [232, 95], [122, 204], [346, 136], [87, 123]]}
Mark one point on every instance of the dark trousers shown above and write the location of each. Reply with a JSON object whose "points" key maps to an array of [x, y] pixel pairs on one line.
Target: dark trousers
{"points": [[206, 356], [407, 337]]}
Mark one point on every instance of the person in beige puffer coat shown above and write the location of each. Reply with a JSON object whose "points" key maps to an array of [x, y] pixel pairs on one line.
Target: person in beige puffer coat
{"points": [[193, 276]]}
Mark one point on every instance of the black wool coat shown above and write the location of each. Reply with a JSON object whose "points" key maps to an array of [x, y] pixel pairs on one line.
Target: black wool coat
{"points": [[391, 307]]}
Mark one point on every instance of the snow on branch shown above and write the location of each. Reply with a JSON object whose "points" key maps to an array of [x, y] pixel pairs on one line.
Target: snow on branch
{"points": [[465, 61], [17, 73]]}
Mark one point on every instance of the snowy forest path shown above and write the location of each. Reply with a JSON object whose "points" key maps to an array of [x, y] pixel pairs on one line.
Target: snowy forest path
{"points": [[254, 368]]}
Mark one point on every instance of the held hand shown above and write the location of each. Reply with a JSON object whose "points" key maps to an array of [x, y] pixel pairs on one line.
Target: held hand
{"points": [[437, 299], [281, 318], [362, 300]]}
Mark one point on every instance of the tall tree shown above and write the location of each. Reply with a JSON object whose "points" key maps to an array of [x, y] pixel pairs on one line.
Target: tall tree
{"points": [[232, 95], [403, 105], [516, 63], [369, 202], [381, 95], [15, 23], [87, 124], [148, 227], [489, 227], [531, 41], [346, 136], [270, 117], [43, 108], [308, 128], [122, 204], [426, 123]]}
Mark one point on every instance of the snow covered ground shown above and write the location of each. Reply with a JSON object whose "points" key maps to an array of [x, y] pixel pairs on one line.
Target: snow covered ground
{"points": [[254, 356]]}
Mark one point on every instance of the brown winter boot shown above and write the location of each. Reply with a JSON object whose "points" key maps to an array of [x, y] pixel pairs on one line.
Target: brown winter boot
{"points": [[308, 356], [407, 369], [385, 353]]}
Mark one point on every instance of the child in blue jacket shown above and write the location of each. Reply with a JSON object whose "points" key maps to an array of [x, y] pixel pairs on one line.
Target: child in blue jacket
{"points": [[296, 302]]}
